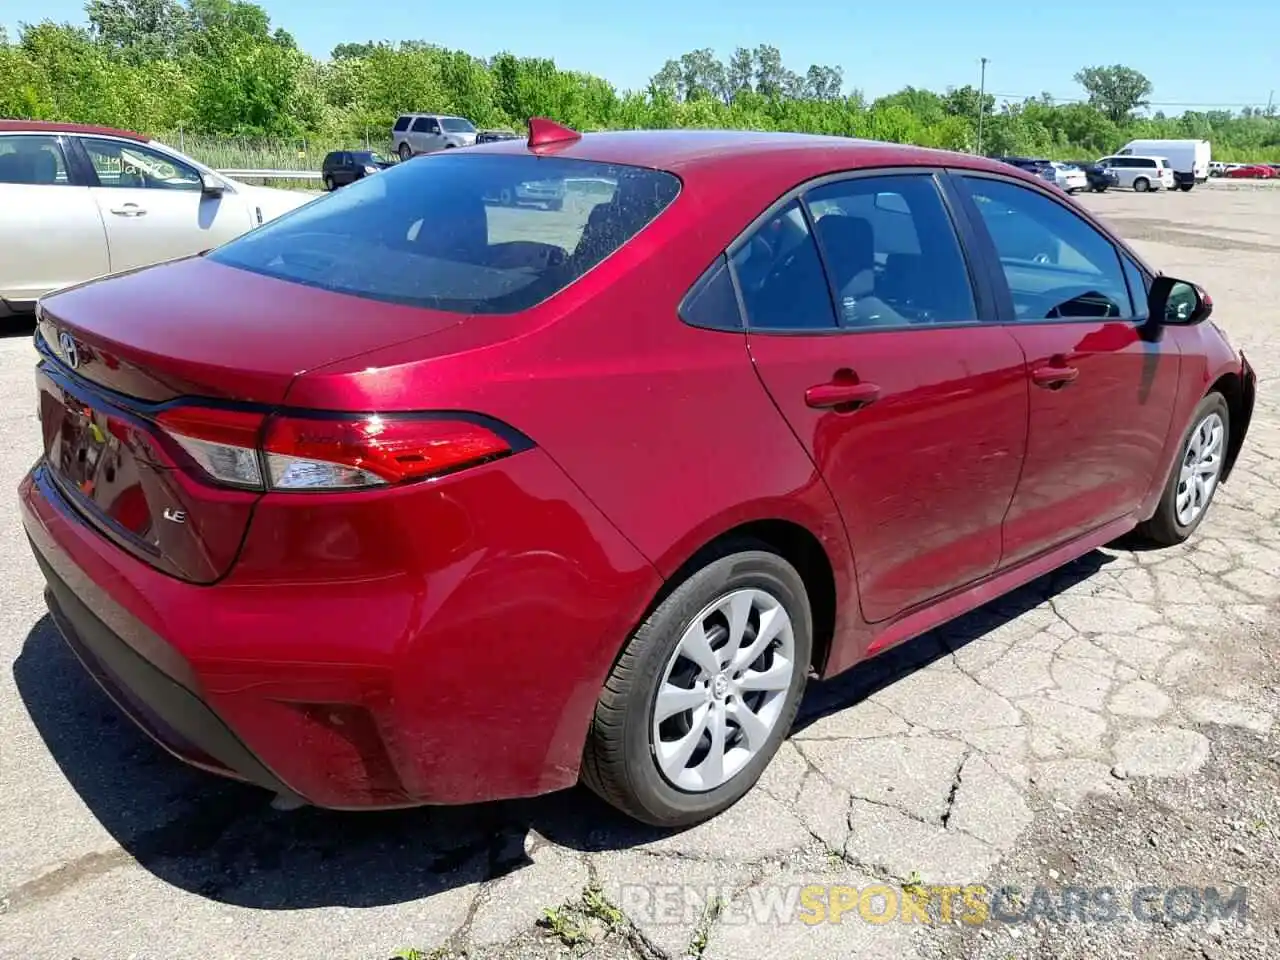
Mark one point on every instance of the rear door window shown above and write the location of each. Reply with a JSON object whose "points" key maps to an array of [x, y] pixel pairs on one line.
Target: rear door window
{"points": [[891, 252], [450, 232], [402, 124], [32, 160], [780, 275]]}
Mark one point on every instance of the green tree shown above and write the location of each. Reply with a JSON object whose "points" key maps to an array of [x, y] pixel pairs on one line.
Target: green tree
{"points": [[140, 31], [1116, 90]]}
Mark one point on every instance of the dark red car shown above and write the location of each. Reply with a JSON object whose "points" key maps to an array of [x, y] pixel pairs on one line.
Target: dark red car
{"points": [[411, 497]]}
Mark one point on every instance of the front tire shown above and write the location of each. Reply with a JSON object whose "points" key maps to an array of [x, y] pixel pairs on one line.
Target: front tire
{"points": [[1195, 475], [704, 693]]}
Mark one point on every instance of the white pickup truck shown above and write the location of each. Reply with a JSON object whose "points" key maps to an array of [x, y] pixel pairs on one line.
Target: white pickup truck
{"points": [[79, 202]]}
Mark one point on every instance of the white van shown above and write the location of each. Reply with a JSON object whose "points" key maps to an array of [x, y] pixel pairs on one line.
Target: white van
{"points": [[1189, 158], [1139, 173]]}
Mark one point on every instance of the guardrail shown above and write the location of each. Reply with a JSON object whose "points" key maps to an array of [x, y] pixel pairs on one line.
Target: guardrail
{"points": [[271, 174]]}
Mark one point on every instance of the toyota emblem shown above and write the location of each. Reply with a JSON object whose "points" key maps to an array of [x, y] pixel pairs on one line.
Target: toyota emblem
{"points": [[69, 351]]}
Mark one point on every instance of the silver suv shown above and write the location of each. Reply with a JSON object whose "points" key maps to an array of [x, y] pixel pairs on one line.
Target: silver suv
{"points": [[416, 133]]}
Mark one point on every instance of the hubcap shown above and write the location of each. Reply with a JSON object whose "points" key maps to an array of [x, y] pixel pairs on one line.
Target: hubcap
{"points": [[723, 690], [1201, 466]]}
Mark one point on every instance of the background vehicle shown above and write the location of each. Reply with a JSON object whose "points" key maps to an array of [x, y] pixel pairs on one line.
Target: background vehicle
{"points": [[415, 133], [78, 202], [1253, 171], [1096, 176], [1069, 176], [342, 167], [1033, 165], [1189, 159], [448, 545], [1139, 173], [493, 136]]}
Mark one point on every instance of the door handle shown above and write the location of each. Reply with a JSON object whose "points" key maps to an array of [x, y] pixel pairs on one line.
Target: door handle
{"points": [[129, 210], [842, 393], [1054, 377]]}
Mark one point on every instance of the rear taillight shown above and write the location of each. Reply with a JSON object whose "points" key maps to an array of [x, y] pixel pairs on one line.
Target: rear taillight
{"points": [[284, 452]]}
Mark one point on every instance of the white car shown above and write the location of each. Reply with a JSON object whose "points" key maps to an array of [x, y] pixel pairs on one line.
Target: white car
{"points": [[1069, 177], [79, 202]]}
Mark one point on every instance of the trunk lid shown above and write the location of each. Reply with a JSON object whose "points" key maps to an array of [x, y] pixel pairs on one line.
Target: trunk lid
{"points": [[198, 328], [115, 354]]}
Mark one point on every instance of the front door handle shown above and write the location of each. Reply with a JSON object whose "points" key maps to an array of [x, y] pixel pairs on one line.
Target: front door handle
{"points": [[842, 393], [1053, 377], [129, 210]]}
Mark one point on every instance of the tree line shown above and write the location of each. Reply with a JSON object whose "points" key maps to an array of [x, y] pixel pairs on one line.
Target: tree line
{"points": [[219, 67]]}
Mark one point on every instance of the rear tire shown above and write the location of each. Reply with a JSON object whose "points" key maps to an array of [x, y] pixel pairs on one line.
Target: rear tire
{"points": [[328, 183], [1185, 187], [405, 152], [1141, 185], [1199, 465], [633, 759]]}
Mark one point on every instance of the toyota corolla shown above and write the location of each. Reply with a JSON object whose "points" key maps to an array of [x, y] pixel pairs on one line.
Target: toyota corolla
{"points": [[412, 497]]}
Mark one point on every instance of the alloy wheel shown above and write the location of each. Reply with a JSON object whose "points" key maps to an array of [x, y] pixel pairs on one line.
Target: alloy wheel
{"points": [[723, 690], [1201, 467]]}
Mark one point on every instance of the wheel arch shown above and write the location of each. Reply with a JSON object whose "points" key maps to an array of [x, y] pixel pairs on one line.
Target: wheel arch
{"points": [[1239, 397], [796, 544]]}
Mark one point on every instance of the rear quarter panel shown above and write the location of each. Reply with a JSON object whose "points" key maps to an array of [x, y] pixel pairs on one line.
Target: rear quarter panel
{"points": [[664, 427]]}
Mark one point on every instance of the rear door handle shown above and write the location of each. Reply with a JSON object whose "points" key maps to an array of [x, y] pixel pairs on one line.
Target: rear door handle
{"points": [[839, 393], [129, 210], [1054, 377]]}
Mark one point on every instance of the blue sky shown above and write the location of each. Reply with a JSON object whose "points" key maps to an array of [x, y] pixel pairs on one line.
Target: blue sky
{"points": [[1194, 55]]}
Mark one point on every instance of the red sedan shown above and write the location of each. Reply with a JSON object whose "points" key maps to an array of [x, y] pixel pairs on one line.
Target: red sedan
{"points": [[1255, 171], [436, 491]]}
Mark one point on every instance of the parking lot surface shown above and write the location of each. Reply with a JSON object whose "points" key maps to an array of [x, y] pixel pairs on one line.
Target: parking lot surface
{"points": [[1109, 725]]}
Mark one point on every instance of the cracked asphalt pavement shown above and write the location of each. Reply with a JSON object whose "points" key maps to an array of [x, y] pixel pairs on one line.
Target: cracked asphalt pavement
{"points": [[1110, 725]]}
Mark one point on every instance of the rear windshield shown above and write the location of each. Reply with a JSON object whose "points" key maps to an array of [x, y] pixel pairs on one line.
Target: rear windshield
{"points": [[464, 233]]}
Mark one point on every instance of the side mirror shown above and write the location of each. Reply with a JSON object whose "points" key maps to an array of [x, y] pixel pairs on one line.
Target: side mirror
{"points": [[1177, 303], [211, 186]]}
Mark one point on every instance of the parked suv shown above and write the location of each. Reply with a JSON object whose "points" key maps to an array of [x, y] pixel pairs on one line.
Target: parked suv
{"points": [[416, 133], [342, 167], [1140, 173]]}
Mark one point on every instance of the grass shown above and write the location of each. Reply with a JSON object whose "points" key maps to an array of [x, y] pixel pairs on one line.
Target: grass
{"points": [[242, 153]]}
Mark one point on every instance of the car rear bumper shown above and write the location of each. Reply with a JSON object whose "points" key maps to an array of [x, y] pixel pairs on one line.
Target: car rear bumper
{"points": [[164, 707], [362, 693]]}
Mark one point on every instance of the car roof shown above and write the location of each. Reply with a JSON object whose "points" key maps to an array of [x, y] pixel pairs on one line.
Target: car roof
{"points": [[49, 126], [433, 116], [712, 154]]}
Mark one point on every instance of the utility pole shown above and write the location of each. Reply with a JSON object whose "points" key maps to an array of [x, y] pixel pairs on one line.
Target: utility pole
{"points": [[982, 102], [1271, 99]]}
